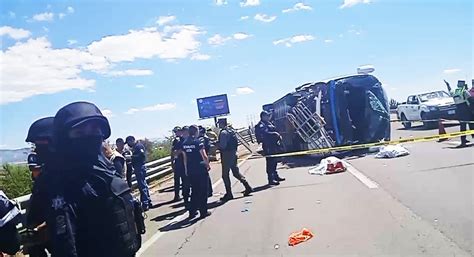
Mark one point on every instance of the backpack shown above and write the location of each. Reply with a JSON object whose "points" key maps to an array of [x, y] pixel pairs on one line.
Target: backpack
{"points": [[233, 142], [258, 133], [99, 217], [116, 209]]}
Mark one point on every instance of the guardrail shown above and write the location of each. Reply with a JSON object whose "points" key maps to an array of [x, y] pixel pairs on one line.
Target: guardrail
{"points": [[155, 169]]}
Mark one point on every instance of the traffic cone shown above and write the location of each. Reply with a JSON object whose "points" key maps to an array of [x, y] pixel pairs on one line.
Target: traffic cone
{"points": [[441, 131]]}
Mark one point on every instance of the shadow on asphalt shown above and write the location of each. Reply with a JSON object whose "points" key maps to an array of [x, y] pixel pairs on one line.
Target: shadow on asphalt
{"points": [[162, 204], [166, 189], [169, 216]]}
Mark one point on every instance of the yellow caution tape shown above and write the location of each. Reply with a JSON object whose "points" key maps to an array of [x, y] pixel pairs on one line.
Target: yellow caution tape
{"points": [[382, 143]]}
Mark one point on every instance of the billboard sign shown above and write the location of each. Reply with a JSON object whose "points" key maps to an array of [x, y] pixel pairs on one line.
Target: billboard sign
{"points": [[213, 106]]}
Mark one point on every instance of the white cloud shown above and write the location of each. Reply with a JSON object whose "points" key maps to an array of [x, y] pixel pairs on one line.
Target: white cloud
{"points": [[298, 7], [131, 72], [34, 67], [247, 3], [350, 3], [108, 113], [157, 107], [264, 18], [14, 33], [70, 9], [288, 42], [174, 42], [328, 41], [218, 40], [200, 57], [240, 36], [61, 15], [140, 86], [11, 14], [244, 91], [451, 71], [162, 20], [71, 42], [220, 2], [46, 16], [244, 18]]}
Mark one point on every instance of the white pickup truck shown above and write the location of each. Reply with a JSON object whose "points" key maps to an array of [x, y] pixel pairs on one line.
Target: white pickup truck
{"points": [[427, 106]]}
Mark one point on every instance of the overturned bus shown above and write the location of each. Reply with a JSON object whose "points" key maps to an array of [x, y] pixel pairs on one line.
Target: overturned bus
{"points": [[341, 111]]}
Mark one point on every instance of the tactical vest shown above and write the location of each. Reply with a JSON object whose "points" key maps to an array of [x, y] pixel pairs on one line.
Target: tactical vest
{"points": [[96, 216]]}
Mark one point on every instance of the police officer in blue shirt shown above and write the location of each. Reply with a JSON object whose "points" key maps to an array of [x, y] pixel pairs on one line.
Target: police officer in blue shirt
{"points": [[138, 163], [196, 167], [271, 145]]}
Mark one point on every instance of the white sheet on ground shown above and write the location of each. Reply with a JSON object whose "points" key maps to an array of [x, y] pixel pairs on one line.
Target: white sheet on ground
{"points": [[392, 151]]}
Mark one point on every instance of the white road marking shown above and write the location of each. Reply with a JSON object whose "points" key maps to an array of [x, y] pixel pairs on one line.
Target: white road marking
{"points": [[179, 218], [361, 177]]}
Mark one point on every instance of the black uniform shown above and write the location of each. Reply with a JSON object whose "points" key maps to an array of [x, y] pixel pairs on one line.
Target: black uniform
{"points": [[198, 175], [90, 210], [179, 174], [207, 147], [271, 145]]}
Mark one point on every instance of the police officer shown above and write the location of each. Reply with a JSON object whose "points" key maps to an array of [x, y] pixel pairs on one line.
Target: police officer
{"points": [[271, 143], [207, 146], [138, 163], [228, 145], [461, 96], [180, 178], [91, 209], [196, 167], [41, 135], [127, 154]]}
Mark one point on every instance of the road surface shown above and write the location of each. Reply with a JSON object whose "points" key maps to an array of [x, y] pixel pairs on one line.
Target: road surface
{"points": [[417, 205]]}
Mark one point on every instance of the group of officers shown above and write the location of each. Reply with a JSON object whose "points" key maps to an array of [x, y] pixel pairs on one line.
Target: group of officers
{"points": [[191, 148], [81, 203]]}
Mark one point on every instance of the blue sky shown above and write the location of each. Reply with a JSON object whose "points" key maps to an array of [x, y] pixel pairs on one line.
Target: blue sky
{"points": [[145, 62]]}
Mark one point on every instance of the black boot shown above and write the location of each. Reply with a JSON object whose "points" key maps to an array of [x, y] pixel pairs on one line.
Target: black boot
{"points": [[278, 178], [248, 189], [273, 183], [227, 197]]}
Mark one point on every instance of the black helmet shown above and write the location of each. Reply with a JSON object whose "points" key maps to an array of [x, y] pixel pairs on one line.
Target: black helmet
{"points": [[176, 129], [77, 113], [41, 129], [265, 114]]}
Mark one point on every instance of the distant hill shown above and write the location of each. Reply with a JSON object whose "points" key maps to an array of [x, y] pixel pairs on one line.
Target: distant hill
{"points": [[14, 156]]}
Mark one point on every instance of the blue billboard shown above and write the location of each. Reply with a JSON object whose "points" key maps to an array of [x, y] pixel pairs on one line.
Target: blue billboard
{"points": [[213, 106]]}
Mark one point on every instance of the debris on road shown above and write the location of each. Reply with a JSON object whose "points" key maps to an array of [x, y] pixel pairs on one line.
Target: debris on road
{"points": [[277, 246], [318, 201], [244, 210], [300, 237], [291, 209], [327, 166], [248, 202], [392, 151]]}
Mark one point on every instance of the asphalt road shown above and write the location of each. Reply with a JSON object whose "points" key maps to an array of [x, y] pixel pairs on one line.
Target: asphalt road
{"points": [[417, 205]]}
